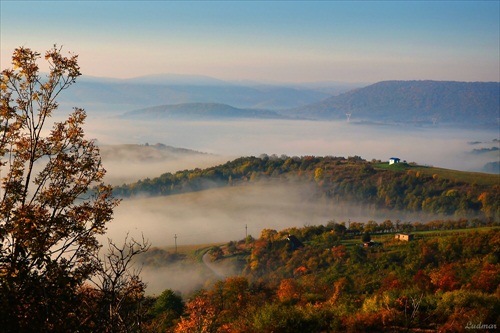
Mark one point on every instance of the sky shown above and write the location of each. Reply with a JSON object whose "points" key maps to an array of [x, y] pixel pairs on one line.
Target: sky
{"points": [[266, 41]]}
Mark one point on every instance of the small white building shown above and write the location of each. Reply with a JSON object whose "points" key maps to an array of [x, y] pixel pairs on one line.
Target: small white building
{"points": [[404, 237], [394, 160]]}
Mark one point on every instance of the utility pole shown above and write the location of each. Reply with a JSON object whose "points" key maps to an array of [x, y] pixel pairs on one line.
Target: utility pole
{"points": [[175, 239], [246, 231]]}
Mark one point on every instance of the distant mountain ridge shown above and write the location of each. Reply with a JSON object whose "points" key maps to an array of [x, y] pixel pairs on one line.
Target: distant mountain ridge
{"points": [[400, 102], [412, 101], [164, 89], [199, 111]]}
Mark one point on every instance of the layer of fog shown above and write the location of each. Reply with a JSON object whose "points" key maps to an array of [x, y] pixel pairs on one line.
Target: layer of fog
{"points": [[186, 276], [225, 214], [437, 146], [130, 163], [221, 215]]}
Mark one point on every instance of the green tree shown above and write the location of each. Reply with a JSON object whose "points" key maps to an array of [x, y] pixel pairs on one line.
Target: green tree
{"points": [[276, 317], [167, 308], [231, 247], [53, 202], [168, 301]]}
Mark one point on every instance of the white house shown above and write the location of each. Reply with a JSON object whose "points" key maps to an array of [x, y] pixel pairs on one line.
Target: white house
{"points": [[404, 237], [393, 160]]}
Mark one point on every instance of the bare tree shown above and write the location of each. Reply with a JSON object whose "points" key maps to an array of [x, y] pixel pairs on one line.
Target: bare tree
{"points": [[119, 288]]}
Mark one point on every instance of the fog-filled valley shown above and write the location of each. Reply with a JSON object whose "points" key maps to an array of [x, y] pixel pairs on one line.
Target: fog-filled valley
{"points": [[130, 152], [229, 214], [223, 141], [220, 215], [134, 150], [434, 145], [145, 148], [249, 166], [441, 123], [148, 145]]}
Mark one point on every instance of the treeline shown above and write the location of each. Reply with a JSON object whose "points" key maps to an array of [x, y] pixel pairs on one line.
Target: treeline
{"points": [[330, 284], [406, 187], [355, 228]]}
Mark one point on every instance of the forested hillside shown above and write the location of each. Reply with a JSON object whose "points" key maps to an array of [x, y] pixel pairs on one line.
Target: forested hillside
{"points": [[323, 279], [413, 102], [400, 186]]}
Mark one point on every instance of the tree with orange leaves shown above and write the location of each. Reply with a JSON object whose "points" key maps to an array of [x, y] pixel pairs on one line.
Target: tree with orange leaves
{"points": [[53, 202]]}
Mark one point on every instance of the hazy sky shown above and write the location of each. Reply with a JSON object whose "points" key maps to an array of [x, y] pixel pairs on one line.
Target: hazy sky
{"points": [[283, 41]]}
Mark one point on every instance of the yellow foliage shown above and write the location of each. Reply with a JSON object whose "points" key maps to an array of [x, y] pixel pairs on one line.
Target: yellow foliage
{"points": [[318, 174], [452, 193]]}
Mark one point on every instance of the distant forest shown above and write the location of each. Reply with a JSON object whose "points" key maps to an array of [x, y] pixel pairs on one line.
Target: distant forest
{"points": [[399, 186], [416, 102]]}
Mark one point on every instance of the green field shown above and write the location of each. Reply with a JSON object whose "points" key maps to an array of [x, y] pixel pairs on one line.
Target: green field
{"points": [[451, 231], [418, 234], [455, 175]]}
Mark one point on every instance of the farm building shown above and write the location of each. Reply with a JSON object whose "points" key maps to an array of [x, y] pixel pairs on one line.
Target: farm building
{"points": [[404, 237], [394, 160]]}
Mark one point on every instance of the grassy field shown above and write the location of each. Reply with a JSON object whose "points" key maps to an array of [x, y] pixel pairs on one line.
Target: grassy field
{"points": [[460, 176], [451, 232], [418, 234]]}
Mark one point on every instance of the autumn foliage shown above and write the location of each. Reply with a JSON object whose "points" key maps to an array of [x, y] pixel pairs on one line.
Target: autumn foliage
{"points": [[391, 287], [53, 206]]}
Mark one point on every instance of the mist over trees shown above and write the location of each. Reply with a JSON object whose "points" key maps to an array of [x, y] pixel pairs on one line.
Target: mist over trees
{"points": [[401, 187]]}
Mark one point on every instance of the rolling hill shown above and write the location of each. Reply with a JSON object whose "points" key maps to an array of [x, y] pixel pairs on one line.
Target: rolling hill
{"points": [[412, 102], [144, 153], [126, 163], [199, 111], [402, 102], [401, 186]]}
